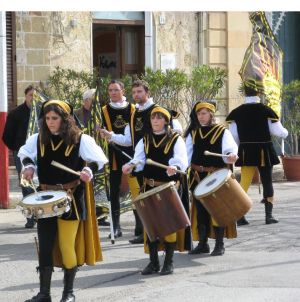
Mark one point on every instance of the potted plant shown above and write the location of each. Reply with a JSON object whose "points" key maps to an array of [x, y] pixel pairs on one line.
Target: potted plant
{"points": [[291, 121]]}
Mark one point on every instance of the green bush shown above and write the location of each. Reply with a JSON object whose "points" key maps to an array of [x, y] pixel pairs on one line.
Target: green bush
{"points": [[173, 89]]}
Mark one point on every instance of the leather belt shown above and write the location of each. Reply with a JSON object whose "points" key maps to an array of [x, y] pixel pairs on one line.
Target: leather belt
{"points": [[68, 186], [153, 183], [203, 169]]}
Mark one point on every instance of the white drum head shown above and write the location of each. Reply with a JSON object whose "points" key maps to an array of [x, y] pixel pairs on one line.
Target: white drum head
{"points": [[212, 182], [44, 197]]}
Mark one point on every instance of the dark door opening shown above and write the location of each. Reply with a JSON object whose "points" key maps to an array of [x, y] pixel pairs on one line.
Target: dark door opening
{"points": [[118, 49]]}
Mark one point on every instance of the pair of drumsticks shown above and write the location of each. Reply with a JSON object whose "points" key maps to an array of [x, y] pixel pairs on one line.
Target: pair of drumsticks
{"points": [[148, 162]]}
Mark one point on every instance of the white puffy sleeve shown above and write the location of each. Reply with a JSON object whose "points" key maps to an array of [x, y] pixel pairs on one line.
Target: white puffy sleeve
{"points": [[91, 152], [179, 158], [29, 149]]}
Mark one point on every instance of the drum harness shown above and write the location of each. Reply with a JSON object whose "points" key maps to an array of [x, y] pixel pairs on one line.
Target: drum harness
{"points": [[69, 187]]}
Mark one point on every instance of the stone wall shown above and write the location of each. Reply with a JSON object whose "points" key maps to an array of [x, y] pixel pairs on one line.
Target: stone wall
{"points": [[218, 39], [177, 35], [48, 39]]}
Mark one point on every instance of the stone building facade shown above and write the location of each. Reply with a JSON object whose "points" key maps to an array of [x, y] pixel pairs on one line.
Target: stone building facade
{"points": [[48, 39]]}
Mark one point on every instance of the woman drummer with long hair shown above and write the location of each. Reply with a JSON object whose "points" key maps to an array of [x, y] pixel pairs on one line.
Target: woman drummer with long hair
{"points": [[204, 134], [61, 140], [166, 147]]}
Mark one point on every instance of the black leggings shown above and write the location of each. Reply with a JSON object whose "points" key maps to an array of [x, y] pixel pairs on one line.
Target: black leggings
{"points": [[266, 180], [47, 231]]}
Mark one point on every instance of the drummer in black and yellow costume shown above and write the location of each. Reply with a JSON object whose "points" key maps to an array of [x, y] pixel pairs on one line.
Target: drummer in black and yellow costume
{"points": [[136, 129], [167, 147], [204, 134], [252, 125], [116, 115], [72, 239]]}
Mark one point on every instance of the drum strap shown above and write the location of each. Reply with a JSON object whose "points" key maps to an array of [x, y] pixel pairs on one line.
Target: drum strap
{"points": [[68, 186], [153, 183], [203, 169]]}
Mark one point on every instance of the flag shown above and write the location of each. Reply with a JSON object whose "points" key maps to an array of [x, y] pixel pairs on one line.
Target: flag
{"points": [[38, 99], [262, 65]]}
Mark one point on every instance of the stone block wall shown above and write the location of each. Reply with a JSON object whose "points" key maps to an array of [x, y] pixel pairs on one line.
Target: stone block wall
{"points": [[48, 39]]}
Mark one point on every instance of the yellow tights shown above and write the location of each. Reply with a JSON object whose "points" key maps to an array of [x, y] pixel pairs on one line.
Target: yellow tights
{"points": [[247, 173], [67, 230]]}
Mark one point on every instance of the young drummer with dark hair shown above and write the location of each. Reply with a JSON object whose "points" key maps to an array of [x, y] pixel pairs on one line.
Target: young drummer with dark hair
{"points": [[204, 134], [61, 140], [167, 147]]}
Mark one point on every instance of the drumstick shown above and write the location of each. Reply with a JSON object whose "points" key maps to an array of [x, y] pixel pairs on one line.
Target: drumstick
{"points": [[154, 163], [62, 167], [215, 154]]}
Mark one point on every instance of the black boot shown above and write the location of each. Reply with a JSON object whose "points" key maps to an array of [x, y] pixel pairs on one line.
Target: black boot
{"points": [[153, 266], [117, 227], [45, 282], [268, 209], [242, 221], [168, 267], [202, 246], [69, 276], [219, 249], [30, 223], [137, 240]]}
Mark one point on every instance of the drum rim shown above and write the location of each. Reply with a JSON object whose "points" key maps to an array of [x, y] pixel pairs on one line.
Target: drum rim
{"points": [[216, 188], [42, 204], [21, 203], [153, 190]]}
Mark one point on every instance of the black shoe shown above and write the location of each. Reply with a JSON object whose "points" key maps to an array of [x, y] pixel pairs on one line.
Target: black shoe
{"points": [[103, 222], [137, 240], [30, 223], [242, 221], [150, 269], [40, 298], [219, 250], [167, 269], [270, 220], [117, 233], [68, 298], [201, 248]]}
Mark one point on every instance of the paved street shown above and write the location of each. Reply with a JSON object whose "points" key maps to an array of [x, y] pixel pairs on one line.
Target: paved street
{"points": [[262, 264]]}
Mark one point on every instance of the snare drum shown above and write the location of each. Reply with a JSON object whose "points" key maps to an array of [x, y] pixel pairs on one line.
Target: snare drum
{"points": [[223, 197], [161, 211], [45, 204]]}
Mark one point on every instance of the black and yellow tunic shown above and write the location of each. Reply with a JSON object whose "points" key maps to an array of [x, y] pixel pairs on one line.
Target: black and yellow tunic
{"points": [[140, 124], [160, 149], [255, 148], [49, 175], [116, 119], [207, 138]]}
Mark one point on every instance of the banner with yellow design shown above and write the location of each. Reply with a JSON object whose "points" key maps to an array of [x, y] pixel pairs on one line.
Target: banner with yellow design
{"points": [[262, 65]]}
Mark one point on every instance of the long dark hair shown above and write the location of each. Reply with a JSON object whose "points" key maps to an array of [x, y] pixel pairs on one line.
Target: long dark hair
{"points": [[68, 131]]}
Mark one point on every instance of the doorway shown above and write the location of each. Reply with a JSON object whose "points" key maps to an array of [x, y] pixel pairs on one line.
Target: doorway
{"points": [[118, 49]]}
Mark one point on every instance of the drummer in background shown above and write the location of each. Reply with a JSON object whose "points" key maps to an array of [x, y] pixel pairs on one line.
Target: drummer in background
{"points": [[204, 134], [167, 147], [252, 125], [61, 140]]}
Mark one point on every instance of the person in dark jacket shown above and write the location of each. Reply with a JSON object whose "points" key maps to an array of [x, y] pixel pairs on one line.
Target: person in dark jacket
{"points": [[14, 136]]}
